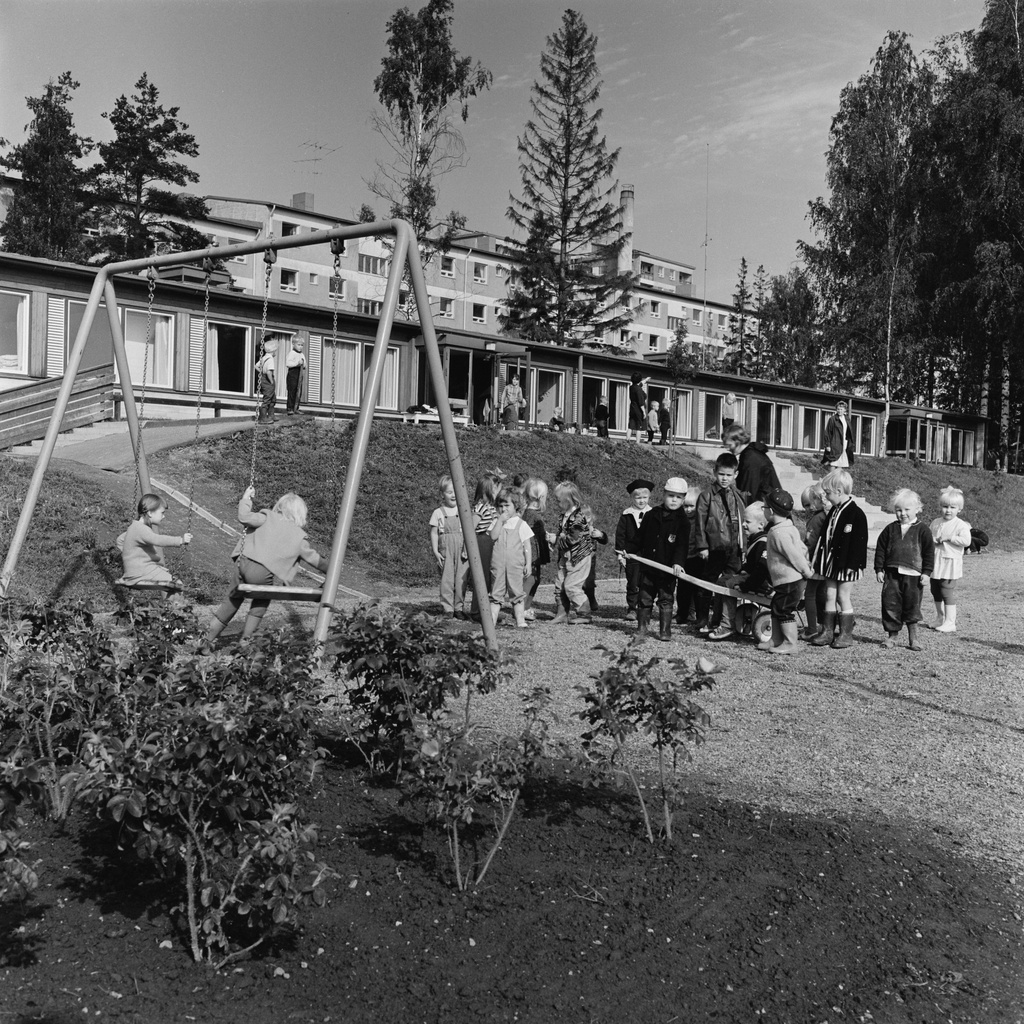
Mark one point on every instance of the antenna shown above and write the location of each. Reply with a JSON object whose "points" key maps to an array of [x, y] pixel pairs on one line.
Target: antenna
{"points": [[707, 240]]}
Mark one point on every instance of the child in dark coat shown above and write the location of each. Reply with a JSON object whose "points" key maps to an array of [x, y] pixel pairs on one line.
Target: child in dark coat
{"points": [[904, 559], [664, 537], [625, 533]]}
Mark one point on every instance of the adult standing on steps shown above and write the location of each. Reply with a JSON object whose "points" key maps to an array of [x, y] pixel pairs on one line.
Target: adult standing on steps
{"points": [[838, 439], [637, 405], [756, 476]]}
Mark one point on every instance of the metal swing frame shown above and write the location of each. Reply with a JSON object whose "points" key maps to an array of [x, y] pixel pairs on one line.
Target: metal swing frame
{"points": [[406, 254]]}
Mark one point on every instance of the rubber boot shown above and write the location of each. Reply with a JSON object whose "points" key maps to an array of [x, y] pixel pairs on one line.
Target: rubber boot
{"points": [[811, 614], [665, 620], [643, 617], [940, 615], [846, 624], [789, 643], [828, 625], [949, 624], [912, 643], [519, 612], [495, 612], [777, 637]]}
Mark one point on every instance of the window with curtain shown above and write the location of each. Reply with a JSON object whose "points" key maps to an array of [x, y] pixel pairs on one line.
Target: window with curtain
{"points": [[158, 369], [13, 332], [227, 364], [342, 365], [388, 397]]}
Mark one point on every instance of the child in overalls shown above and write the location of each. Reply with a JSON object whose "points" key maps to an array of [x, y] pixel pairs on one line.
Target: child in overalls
{"points": [[446, 543], [510, 556]]}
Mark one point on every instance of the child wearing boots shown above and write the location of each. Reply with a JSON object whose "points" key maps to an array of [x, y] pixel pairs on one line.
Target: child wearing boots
{"points": [[789, 569], [840, 558], [719, 524], [904, 559], [813, 502], [753, 578], [664, 536], [952, 536], [625, 533], [687, 593]]}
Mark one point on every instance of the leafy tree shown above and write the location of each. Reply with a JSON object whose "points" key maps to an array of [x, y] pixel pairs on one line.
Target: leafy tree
{"points": [[567, 287], [683, 360], [142, 218], [51, 200], [866, 262], [791, 340], [422, 85], [739, 357]]}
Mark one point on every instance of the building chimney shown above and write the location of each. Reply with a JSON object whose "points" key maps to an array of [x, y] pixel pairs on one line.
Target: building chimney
{"points": [[304, 201], [625, 264]]}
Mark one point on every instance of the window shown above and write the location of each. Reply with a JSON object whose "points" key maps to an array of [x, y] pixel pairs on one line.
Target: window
{"points": [[721, 319], [646, 269], [314, 279], [13, 332], [652, 342], [661, 271], [810, 435], [447, 309], [337, 288], [226, 360], [447, 266], [479, 313], [695, 315], [712, 426], [342, 371], [99, 348], [656, 310], [480, 273], [675, 323], [287, 229], [372, 307], [373, 265], [289, 280], [149, 359], [671, 275]]}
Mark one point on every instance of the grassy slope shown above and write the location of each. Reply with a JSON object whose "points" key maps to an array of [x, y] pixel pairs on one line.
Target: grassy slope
{"points": [[68, 550]]}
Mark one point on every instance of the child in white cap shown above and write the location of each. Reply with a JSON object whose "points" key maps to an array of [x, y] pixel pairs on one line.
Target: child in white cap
{"points": [[664, 536]]}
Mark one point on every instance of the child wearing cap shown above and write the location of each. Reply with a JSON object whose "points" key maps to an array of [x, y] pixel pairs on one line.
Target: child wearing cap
{"points": [[625, 532], [789, 570], [664, 537]]}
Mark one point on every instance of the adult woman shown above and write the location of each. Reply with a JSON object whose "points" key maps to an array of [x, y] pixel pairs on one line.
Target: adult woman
{"points": [[511, 402], [637, 405], [838, 439]]}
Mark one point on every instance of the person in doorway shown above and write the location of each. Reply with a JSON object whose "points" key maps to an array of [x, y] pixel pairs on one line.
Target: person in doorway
{"points": [[728, 412], [601, 416], [664, 422], [653, 419], [296, 363], [266, 376], [756, 475], [511, 402], [637, 406], [838, 439]]}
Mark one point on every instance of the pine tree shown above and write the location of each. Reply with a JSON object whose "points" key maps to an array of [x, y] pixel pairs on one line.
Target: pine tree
{"points": [[566, 287], [50, 201], [739, 356], [141, 218]]}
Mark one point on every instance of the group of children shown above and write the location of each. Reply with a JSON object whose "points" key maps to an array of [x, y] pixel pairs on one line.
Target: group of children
{"points": [[712, 536]]}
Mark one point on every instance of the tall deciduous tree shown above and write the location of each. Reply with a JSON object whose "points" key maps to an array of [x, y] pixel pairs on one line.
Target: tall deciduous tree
{"points": [[51, 199], [141, 216], [568, 287], [791, 344], [423, 86], [866, 261]]}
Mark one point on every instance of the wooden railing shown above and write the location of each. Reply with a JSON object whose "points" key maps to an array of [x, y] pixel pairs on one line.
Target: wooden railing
{"points": [[25, 411]]}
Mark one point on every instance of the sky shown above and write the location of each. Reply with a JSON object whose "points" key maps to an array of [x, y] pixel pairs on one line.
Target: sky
{"points": [[720, 108]]}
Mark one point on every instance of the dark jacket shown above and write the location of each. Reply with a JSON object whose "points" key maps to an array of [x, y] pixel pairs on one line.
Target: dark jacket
{"points": [[637, 406], [835, 442], [719, 520], [914, 549], [664, 536], [628, 525], [756, 475], [843, 545], [755, 566]]}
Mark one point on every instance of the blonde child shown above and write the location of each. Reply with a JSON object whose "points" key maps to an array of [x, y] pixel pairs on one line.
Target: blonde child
{"points": [[511, 556], [813, 501], [687, 593], [904, 559], [840, 558], [266, 372], [753, 577], [446, 543], [952, 537], [536, 494], [652, 422], [574, 549], [789, 570], [142, 545], [488, 487], [270, 551]]}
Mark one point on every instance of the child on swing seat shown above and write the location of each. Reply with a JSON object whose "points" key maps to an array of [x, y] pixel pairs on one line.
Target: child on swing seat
{"points": [[269, 552], [141, 545]]}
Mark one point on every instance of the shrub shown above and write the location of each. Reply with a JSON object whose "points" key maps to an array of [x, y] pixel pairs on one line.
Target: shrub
{"points": [[653, 698], [19, 784]]}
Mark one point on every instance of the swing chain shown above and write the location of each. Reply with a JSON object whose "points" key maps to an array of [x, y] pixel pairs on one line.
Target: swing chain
{"points": [[151, 288], [269, 259], [208, 266], [337, 245]]}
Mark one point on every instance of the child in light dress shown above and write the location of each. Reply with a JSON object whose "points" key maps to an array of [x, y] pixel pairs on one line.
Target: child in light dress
{"points": [[446, 544], [270, 551], [512, 537], [142, 545], [952, 537]]}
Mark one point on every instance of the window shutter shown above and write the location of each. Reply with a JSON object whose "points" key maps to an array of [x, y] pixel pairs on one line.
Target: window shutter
{"points": [[56, 321]]}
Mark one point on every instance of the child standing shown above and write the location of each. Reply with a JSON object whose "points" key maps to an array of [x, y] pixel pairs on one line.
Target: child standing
{"points": [[952, 536], [840, 558], [296, 364], [664, 536], [574, 549], [270, 551], [446, 543], [652, 422], [687, 593], [598, 537], [719, 521], [536, 494], [141, 545], [813, 502], [664, 423], [625, 531], [267, 376], [788, 568], [904, 559], [488, 488], [754, 577], [510, 556]]}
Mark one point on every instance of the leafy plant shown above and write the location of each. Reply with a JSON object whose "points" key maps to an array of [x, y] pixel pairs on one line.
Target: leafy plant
{"points": [[19, 784], [651, 697]]}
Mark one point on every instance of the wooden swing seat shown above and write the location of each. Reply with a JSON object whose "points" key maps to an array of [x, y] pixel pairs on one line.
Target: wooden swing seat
{"points": [[167, 588], [271, 593]]}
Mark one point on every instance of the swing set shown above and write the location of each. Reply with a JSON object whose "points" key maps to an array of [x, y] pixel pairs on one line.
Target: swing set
{"points": [[405, 254]]}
